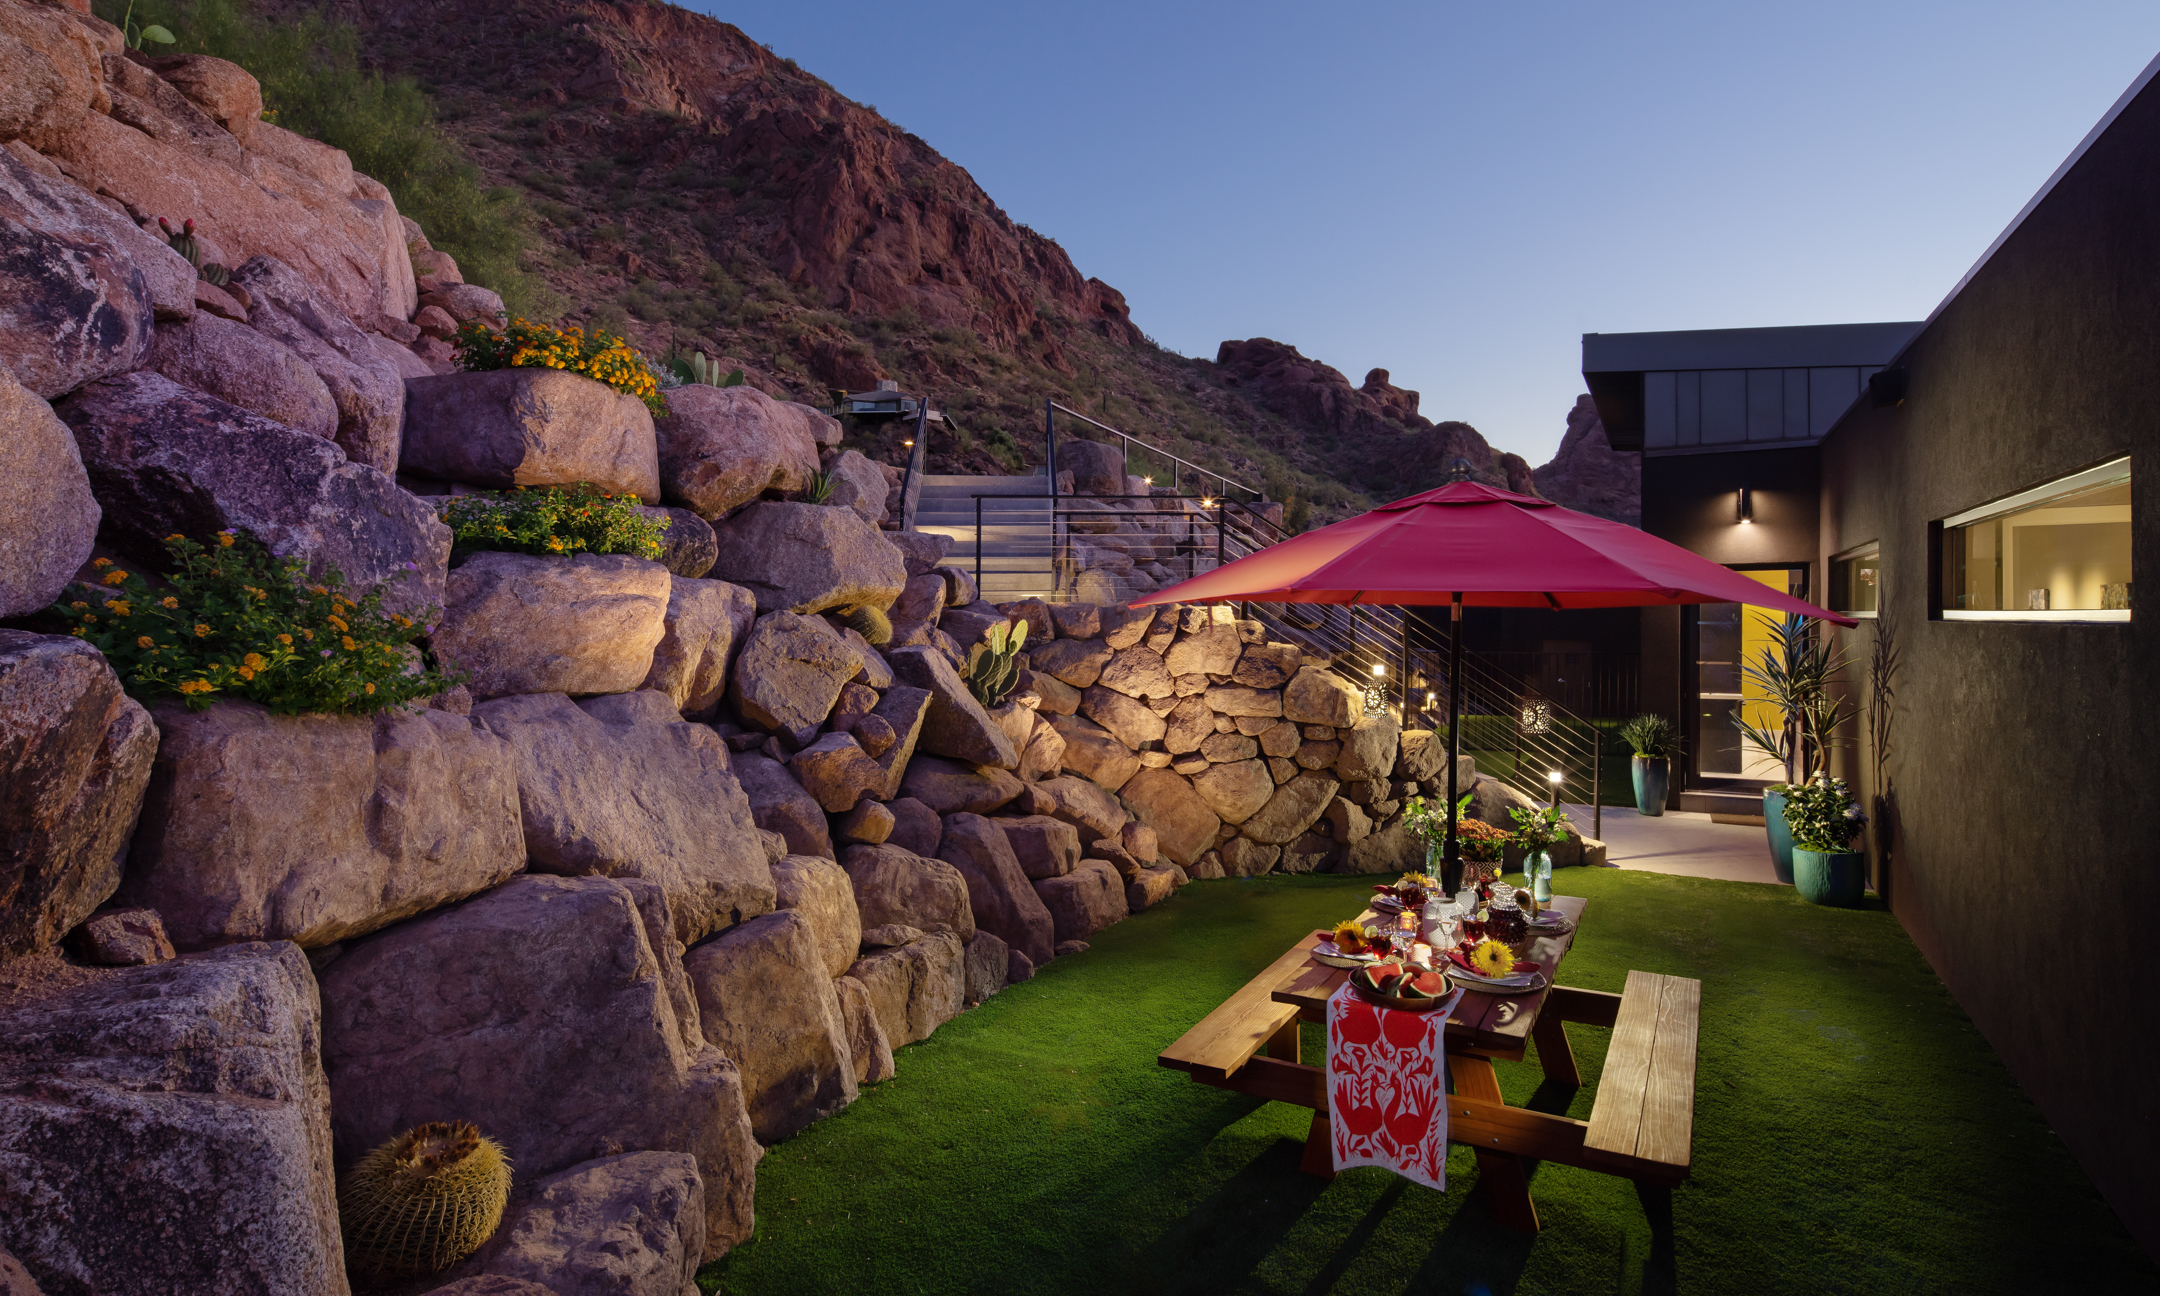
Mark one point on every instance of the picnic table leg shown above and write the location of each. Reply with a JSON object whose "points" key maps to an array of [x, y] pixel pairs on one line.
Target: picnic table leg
{"points": [[1554, 1053], [1285, 1044], [1500, 1174], [1319, 1158]]}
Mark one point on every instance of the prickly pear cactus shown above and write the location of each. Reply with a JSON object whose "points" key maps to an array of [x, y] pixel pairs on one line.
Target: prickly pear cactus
{"points": [[993, 666], [423, 1201], [873, 625]]}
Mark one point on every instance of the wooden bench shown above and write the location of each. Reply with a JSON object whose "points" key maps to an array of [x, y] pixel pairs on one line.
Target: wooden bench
{"points": [[1645, 1104]]}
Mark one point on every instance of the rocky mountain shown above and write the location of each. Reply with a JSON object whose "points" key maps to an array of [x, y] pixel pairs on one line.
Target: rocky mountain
{"points": [[1588, 474], [699, 192]]}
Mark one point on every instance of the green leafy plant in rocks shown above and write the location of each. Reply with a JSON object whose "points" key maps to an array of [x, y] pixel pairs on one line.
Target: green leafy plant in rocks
{"points": [[233, 619], [554, 521]]}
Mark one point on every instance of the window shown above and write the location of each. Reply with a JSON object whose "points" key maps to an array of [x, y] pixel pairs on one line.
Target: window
{"points": [[2059, 552], [1856, 581]]}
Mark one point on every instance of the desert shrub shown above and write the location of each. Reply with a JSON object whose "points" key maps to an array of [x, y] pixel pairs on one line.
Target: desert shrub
{"points": [[581, 519], [233, 619], [313, 84], [603, 356]]}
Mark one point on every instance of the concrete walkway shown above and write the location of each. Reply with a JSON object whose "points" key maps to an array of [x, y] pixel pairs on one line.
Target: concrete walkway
{"points": [[1681, 842]]}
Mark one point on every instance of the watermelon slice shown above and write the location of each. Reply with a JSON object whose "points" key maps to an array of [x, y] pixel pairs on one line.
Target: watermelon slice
{"points": [[1430, 984]]}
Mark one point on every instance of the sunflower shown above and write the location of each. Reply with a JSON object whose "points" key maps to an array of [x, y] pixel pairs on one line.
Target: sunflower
{"points": [[1492, 959]]}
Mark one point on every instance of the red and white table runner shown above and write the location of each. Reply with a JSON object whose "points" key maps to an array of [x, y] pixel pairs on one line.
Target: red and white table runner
{"points": [[1387, 1087]]}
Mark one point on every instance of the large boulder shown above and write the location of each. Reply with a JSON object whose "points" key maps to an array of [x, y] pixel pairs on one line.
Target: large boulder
{"points": [[368, 389], [915, 613], [248, 368], [1214, 650], [1093, 753], [316, 828], [824, 895], [79, 284], [922, 551], [1044, 754], [704, 629], [1000, 894], [1368, 749], [621, 786], [1189, 725], [857, 484], [518, 623], [1236, 791], [779, 804], [163, 460], [1044, 846], [530, 427], [1294, 807], [167, 1129], [722, 447], [867, 1044], [915, 825], [48, 518], [319, 231], [837, 773], [1393, 849], [1078, 662], [226, 92], [1136, 672], [767, 1002], [895, 885], [1492, 800], [554, 1014], [789, 674], [75, 756], [808, 557], [55, 81], [1185, 824], [904, 708], [629, 1225], [1081, 803], [916, 988], [1097, 469], [688, 546], [957, 725], [1317, 696], [988, 962], [1085, 900], [1237, 700], [1131, 722], [1419, 755], [1267, 665]]}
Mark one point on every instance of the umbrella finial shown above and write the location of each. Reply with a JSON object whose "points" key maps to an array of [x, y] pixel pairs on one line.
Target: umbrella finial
{"points": [[1459, 469]]}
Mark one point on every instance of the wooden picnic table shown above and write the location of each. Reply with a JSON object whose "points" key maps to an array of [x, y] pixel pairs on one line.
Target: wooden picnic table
{"points": [[1641, 1122]]}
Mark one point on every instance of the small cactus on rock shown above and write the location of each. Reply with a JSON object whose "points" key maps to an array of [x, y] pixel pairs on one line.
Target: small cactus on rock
{"points": [[702, 368], [869, 622], [993, 665], [215, 275], [423, 1201], [183, 240]]}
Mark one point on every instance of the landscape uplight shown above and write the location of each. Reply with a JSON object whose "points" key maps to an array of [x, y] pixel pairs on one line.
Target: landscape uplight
{"points": [[1556, 778]]}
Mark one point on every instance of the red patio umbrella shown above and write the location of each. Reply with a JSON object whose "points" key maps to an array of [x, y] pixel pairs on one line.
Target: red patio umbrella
{"points": [[1469, 544]]}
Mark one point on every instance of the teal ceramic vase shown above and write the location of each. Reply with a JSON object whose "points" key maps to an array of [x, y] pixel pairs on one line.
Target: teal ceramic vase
{"points": [[1781, 847], [1653, 776], [1830, 877]]}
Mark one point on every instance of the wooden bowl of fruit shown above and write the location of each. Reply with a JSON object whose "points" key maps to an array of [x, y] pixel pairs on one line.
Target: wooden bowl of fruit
{"points": [[1404, 986]]}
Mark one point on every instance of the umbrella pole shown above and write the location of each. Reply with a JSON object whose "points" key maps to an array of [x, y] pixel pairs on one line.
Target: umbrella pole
{"points": [[1451, 869]]}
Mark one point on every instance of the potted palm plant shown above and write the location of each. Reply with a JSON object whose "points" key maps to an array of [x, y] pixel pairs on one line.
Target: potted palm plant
{"points": [[1654, 740], [1794, 676], [1824, 819]]}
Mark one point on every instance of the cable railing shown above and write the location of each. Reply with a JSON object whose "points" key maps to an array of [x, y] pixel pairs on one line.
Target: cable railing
{"points": [[1180, 468]]}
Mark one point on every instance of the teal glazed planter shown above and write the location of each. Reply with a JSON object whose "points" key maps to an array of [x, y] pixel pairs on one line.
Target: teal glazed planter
{"points": [[1781, 847], [1830, 877], [1653, 777]]}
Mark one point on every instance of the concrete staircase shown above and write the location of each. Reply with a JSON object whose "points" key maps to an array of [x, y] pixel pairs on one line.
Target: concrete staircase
{"points": [[1016, 531]]}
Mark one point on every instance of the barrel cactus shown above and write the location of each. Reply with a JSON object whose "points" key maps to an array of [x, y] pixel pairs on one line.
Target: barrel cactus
{"points": [[183, 240], [869, 622], [993, 665], [423, 1201]]}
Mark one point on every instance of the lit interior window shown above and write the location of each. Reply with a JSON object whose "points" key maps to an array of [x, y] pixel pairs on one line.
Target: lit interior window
{"points": [[2059, 552], [1856, 582]]}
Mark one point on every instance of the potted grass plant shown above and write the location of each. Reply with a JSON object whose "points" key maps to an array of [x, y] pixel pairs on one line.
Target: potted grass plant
{"points": [[1654, 740], [1794, 678], [1824, 819]]}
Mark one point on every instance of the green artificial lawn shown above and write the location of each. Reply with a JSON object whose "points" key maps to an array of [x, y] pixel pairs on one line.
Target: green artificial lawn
{"points": [[1853, 1133]]}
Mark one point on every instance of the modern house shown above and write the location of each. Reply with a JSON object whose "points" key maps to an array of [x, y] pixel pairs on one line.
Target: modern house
{"points": [[1965, 487]]}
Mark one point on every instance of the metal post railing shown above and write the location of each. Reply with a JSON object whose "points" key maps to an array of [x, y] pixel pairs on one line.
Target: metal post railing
{"points": [[978, 543]]}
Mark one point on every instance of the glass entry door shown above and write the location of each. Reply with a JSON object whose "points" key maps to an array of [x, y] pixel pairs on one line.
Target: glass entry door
{"points": [[1728, 635]]}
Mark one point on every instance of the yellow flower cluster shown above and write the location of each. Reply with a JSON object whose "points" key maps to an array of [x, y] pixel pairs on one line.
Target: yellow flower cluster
{"points": [[603, 357]]}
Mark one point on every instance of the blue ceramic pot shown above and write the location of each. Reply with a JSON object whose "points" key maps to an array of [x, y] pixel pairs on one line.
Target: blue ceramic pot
{"points": [[1653, 776], [1830, 877], [1781, 847]]}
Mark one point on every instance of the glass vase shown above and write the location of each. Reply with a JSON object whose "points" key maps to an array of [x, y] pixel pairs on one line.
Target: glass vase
{"points": [[1537, 873]]}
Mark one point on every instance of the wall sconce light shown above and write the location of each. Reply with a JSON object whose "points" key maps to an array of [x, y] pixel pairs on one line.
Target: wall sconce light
{"points": [[1747, 507], [1376, 692], [909, 443]]}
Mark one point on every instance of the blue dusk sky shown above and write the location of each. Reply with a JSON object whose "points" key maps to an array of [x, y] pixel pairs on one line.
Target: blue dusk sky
{"points": [[1457, 192]]}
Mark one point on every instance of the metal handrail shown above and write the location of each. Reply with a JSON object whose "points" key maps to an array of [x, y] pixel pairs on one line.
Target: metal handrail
{"points": [[1051, 409]]}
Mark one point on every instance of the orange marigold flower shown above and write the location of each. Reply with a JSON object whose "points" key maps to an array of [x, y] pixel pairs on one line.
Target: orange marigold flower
{"points": [[115, 577], [225, 539], [145, 641], [169, 602], [253, 661], [247, 672], [120, 607], [350, 646], [285, 639], [102, 562], [202, 631], [371, 688]]}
